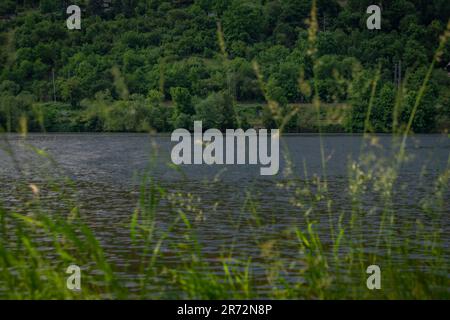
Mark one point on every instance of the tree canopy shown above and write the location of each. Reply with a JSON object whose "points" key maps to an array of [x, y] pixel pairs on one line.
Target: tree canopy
{"points": [[173, 48]]}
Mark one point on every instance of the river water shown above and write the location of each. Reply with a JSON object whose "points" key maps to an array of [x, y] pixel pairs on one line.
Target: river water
{"points": [[108, 169]]}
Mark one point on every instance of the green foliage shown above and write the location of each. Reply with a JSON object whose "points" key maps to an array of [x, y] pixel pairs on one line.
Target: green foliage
{"points": [[71, 91], [243, 21], [14, 108], [57, 117], [425, 117], [138, 114], [383, 109], [182, 100], [7, 7], [138, 46], [442, 81], [114, 76], [360, 95], [9, 88], [216, 111], [48, 6]]}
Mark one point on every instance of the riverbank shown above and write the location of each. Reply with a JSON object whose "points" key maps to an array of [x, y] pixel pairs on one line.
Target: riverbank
{"points": [[139, 116]]}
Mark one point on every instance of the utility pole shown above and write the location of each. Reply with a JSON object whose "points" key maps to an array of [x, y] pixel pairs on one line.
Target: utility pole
{"points": [[398, 74], [395, 74], [54, 87]]}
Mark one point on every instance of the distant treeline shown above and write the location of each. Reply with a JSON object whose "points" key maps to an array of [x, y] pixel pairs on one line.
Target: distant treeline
{"points": [[152, 64]]}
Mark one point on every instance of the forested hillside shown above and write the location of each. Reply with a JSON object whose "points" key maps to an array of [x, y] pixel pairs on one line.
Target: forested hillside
{"points": [[153, 64]]}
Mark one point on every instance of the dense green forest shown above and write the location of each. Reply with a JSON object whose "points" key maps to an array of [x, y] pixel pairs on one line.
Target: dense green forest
{"points": [[158, 65]]}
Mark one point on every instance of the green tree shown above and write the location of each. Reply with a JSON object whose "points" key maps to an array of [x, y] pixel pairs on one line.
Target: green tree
{"points": [[243, 21], [182, 100], [48, 6], [71, 91], [383, 108], [8, 87], [425, 116], [7, 7], [217, 111]]}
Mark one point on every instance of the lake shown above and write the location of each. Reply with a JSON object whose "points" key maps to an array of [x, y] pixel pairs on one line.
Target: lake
{"points": [[107, 171]]}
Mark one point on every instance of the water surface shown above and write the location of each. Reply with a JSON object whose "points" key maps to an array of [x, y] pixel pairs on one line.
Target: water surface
{"points": [[108, 169]]}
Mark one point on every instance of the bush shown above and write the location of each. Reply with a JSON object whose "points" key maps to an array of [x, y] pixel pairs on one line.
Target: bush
{"points": [[56, 117], [7, 7], [216, 111], [13, 108]]}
